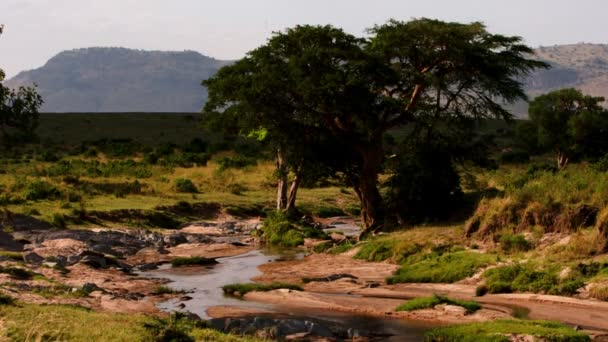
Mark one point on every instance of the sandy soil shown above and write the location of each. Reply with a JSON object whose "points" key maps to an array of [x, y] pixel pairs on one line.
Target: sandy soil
{"points": [[381, 307], [323, 265]]}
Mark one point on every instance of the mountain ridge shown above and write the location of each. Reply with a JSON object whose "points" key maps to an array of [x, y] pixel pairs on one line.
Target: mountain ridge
{"points": [[116, 79]]}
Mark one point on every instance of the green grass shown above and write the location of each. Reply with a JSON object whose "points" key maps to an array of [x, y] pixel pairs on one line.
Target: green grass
{"points": [[444, 268], [240, 290], [161, 290], [28, 322], [498, 331], [17, 256], [192, 261], [430, 302], [387, 248], [531, 277], [18, 273]]}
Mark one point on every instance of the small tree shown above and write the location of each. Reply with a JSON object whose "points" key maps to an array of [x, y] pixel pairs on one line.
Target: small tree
{"points": [[18, 109], [569, 123]]}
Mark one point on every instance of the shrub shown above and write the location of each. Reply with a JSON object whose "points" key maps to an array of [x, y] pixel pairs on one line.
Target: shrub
{"points": [[481, 290], [58, 220], [514, 243], [236, 162], [278, 230], [40, 190], [185, 185]]}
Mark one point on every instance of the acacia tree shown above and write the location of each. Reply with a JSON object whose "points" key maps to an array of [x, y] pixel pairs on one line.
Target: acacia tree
{"points": [[422, 71], [18, 108], [252, 97], [569, 123]]}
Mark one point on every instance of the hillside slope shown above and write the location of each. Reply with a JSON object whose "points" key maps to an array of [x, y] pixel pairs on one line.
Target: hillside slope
{"points": [[583, 66], [124, 80], [121, 80]]}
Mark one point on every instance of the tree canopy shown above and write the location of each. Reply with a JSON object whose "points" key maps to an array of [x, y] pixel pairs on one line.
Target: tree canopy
{"points": [[18, 108], [569, 123], [322, 81]]}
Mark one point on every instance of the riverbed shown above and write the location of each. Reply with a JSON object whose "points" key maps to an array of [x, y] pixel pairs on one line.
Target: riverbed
{"points": [[204, 286]]}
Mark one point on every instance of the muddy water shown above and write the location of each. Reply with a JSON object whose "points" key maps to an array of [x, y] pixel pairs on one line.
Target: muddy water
{"points": [[204, 286]]}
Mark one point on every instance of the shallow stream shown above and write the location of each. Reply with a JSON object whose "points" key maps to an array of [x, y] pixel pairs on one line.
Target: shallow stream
{"points": [[204, 284]]}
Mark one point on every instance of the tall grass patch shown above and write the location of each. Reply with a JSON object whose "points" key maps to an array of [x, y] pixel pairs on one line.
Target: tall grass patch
{"points": [[441, 268]]}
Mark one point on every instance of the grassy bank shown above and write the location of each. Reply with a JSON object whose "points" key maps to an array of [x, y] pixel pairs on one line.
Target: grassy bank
{"points": [[502, 331], [26, 322]]}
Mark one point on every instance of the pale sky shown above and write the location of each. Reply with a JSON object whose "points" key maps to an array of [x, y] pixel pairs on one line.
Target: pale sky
{"points": [[36, 30]]}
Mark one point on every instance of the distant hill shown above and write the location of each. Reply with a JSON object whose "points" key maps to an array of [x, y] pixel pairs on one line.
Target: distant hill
{"points": [[583, 66], [122, 80]]}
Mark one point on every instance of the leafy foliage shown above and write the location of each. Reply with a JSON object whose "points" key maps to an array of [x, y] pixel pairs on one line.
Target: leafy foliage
{"points": [[570, 123]]}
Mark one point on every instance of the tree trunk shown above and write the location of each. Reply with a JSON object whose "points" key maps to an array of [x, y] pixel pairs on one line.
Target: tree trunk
{"points": [[367, 189], [562, 160], [293, 190], [282, 181]]}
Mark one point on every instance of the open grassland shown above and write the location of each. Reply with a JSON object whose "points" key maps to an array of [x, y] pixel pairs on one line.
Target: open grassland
{"points": [[26, 322], [60, 190]]}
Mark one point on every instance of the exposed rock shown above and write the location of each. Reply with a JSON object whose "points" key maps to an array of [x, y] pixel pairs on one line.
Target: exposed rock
{"points": [[93, 259], [90, 287], [175, 239], [332, 277], [32, 258], [319, 330]]}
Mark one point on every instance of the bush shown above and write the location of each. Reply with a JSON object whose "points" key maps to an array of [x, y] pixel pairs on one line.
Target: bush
{"points": [[185, 185], [514, 243], [40, 190], [279, 231], [236, 162]]}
